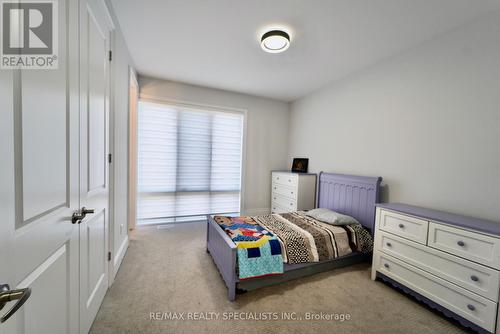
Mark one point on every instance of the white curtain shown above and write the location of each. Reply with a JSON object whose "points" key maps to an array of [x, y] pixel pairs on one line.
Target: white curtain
{"points": [[189, 162]]}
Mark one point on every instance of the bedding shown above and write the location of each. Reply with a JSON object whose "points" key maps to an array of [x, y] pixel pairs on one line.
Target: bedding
{"points": [[305, 239], [292, 238]]}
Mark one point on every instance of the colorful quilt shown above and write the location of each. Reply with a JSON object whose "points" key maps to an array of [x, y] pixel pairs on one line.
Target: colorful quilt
{"points": [[259, 251]]}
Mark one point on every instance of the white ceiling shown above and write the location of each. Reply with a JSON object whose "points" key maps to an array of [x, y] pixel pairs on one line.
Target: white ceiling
{"points": [[215, 43]]}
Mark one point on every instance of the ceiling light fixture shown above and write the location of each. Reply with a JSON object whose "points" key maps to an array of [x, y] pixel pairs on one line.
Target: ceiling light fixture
{"points": [[275, 41]]}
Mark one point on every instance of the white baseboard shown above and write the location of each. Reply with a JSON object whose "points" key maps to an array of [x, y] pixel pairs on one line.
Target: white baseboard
{"points": [[119, 255], [255, 211]]}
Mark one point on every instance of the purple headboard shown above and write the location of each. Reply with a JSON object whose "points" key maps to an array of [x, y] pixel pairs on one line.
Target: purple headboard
{"points": [[351, 195]]}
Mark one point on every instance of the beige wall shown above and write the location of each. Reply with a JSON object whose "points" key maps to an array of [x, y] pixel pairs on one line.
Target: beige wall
{"points": [[266, 132], [428, 121]]}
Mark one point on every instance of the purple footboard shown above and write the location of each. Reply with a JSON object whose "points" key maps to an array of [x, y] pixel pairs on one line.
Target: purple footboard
{"points": [[223, 251]]}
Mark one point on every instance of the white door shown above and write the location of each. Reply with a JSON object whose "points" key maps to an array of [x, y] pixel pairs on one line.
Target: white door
{"points": [[95, 28], [39, 188]]}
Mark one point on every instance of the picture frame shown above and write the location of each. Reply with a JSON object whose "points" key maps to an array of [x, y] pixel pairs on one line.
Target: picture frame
{"points": [[300, 165]]}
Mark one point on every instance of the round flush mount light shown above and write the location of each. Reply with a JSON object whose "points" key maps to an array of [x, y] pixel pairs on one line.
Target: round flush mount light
{"points": [[275, 41]]}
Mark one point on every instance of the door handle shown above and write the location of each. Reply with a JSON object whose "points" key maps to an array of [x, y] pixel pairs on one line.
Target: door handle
{"points": [[86, 211], [7, 295], [79, 215]]}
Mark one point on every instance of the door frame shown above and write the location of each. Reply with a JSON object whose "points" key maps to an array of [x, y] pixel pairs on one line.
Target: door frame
{"points": [[132, 151], [111, 149]]}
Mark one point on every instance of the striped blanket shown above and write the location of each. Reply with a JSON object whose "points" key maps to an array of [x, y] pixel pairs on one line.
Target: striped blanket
{"points": [[305, 239]]}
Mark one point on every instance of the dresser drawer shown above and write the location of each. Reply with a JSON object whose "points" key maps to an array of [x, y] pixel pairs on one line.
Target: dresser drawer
{"points": [[278, 209], [283, 202], [469, 245], [470, 306], [284, 191], [472, 276], [405, 226], [286, 179]]}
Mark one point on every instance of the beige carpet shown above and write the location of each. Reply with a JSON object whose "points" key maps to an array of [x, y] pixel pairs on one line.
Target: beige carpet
{"points": [[167, 270]]}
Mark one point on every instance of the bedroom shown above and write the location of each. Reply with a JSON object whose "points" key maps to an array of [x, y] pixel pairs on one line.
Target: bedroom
{"points": [[132, 133]]}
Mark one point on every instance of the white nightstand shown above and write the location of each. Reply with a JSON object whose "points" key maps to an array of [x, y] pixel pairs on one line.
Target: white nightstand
{"points": [[292, 191]]}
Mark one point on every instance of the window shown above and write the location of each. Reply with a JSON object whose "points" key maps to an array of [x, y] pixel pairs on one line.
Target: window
{"points": [[189, 163]]}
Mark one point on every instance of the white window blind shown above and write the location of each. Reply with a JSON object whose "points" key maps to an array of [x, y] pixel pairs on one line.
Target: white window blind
{"points": [[189, 162]]}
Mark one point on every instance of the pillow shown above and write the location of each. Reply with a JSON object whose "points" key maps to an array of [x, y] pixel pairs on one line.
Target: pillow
{"points": [[331, 217]]}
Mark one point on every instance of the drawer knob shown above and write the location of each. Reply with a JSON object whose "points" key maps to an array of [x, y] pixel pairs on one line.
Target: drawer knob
{"points": [[274, 197], [471, 307], [401, 226], [289, 180], [389, 244], [274, 188], [474, 278], [291, 204], [386, 265], [278, 178], [291, 192], [460, 243]]}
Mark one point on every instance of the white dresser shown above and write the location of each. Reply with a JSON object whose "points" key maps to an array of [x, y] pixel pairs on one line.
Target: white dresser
{"points": [[292, 191], [452, 261]]}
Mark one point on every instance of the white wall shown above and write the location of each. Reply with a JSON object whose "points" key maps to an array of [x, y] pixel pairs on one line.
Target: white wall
{"points": [[119, 144], [428, 121], [266, 137]]}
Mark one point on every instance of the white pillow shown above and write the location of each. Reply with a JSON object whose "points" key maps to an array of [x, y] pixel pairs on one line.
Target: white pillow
{"points": [[331, 217]]}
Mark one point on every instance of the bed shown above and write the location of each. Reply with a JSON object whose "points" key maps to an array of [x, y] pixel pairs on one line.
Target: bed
{"points": [[351, 195]]}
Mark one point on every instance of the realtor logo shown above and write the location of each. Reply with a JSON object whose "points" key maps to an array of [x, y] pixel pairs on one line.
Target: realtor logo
{"points": [[29, 34]]}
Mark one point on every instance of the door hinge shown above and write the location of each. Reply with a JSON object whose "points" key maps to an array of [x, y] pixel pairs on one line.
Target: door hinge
{"points": [[109, 256], [110, 55], [110, 158]]}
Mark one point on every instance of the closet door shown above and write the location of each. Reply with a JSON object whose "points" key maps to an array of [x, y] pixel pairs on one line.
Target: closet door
{"points": [[39, 189], [95, 29]]}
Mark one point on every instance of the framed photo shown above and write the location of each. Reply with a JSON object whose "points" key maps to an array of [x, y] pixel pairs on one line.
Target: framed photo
{"points": [[299, 165]]}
